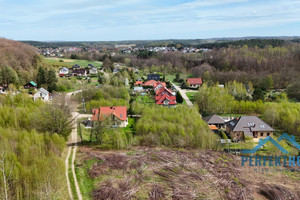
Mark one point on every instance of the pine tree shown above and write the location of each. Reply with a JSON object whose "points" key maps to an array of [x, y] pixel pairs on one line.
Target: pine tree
{"points": [[179, 98], [40, 79], [51, 81]]}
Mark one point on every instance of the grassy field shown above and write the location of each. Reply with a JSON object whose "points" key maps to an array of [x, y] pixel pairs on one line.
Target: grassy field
{"points": [[70, 62], [144, 99], [191, 95], [171, 77]]}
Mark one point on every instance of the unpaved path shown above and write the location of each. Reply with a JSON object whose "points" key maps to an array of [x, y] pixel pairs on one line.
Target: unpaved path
{"points": [[73, 140], [184, 96]]}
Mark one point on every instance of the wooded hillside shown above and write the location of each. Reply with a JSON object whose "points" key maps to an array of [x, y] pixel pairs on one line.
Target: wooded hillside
{"points": [[22, 58]]}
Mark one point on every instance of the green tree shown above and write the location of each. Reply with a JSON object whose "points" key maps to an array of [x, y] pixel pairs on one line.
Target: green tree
{"points": [[51, 81], [179, 98], [8, 76], [41, 78], [293, 91]]}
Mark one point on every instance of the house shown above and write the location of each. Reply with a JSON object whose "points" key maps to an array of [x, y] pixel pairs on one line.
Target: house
{"points": [[116, 70], [41, 94], [76, 66], [213, 128], [117, 115], [138, 83], [215, 120], [79, 72], [165, 96], [138, 89], [194, 82], [158, 85], [150, 83], [93, 70], [30, 85], [167, 100], [250, 126], [155, 77], [63, 71]]}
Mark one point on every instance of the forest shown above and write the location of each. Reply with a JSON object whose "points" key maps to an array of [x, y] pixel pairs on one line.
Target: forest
{"points": [[31, 161]]}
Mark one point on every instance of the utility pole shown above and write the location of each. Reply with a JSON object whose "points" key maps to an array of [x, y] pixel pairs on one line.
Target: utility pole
{"points": [[83, 105]]}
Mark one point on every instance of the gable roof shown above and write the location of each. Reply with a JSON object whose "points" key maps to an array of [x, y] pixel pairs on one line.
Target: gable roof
{"points": [[194, 81], [43, 90], [103, 112], [171, 100], [33, 83], [248, 124], [213, 119], [150, 82]]}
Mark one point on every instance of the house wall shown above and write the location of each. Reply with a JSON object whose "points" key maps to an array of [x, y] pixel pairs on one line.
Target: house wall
{"points": [[194, 86], [235, 134], [43, 97], [262, 134]]}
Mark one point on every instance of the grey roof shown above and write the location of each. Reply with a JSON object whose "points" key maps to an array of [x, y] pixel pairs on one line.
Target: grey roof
{"points": [[42, 90], [248, 124], [214, 119]]}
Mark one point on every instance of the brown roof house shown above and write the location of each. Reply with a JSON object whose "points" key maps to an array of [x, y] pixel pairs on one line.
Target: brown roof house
{"points": [[250, 126], [215, 120]]}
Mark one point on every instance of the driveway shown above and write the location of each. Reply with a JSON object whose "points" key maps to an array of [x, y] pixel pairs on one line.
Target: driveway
{"points": [[183, 94]]}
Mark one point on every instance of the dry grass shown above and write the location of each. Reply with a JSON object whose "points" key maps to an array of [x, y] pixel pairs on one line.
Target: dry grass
{"points": [[158, 174]]}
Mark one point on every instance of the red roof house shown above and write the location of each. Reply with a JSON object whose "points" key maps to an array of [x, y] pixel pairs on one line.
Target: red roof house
{"points": [[194, 82], [150, 83], [138, 83], [167, 100], [117, 114]]}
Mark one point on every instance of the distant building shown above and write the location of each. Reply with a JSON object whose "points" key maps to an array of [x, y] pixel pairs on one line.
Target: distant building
{"points": [[250, 126], [42, 94], [30, 85], [194, 82], [79, 72], [63, 71], [93, 71], [76, 66], [155, 77]]}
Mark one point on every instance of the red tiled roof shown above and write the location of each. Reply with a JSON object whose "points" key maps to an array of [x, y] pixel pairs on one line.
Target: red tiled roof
{"points": [[163, 90], [213, 127], [103, 112], [194, 81], [151, 82], [138, 83], [170, 98], [159, 83]]}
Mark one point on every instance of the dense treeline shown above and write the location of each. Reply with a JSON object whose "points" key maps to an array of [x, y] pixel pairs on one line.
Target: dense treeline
{"points": [[31, 162], [282, 114], [261, 43], [178, 127], [104, 96]]}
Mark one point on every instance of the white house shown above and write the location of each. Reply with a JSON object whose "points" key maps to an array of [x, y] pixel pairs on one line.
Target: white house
{"points": [[63, 71], [93, 70], [41, 94]]}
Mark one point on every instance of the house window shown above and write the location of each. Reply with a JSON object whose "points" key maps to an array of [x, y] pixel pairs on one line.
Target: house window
{"points": [[41, 94], [261, 134], [268, 134]]}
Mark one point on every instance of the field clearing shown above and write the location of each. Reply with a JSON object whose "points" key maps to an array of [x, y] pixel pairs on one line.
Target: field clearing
{"points": [[70, 62], [159, 173], [191, 95]]}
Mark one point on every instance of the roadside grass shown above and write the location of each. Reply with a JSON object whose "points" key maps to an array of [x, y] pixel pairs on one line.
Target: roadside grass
{"points": [[191, 96], [71, 177], [85, 182]]}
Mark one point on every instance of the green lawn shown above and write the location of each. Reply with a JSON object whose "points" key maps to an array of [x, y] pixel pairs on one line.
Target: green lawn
{"points": [[70, 62], [144, 99], [191, 95]]}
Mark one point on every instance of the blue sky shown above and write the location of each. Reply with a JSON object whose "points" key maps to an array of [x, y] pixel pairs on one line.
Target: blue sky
{"points": [[103, 20]]}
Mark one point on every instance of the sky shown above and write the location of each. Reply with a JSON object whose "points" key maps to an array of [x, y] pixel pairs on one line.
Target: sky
{"points": [[113, 20]]}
